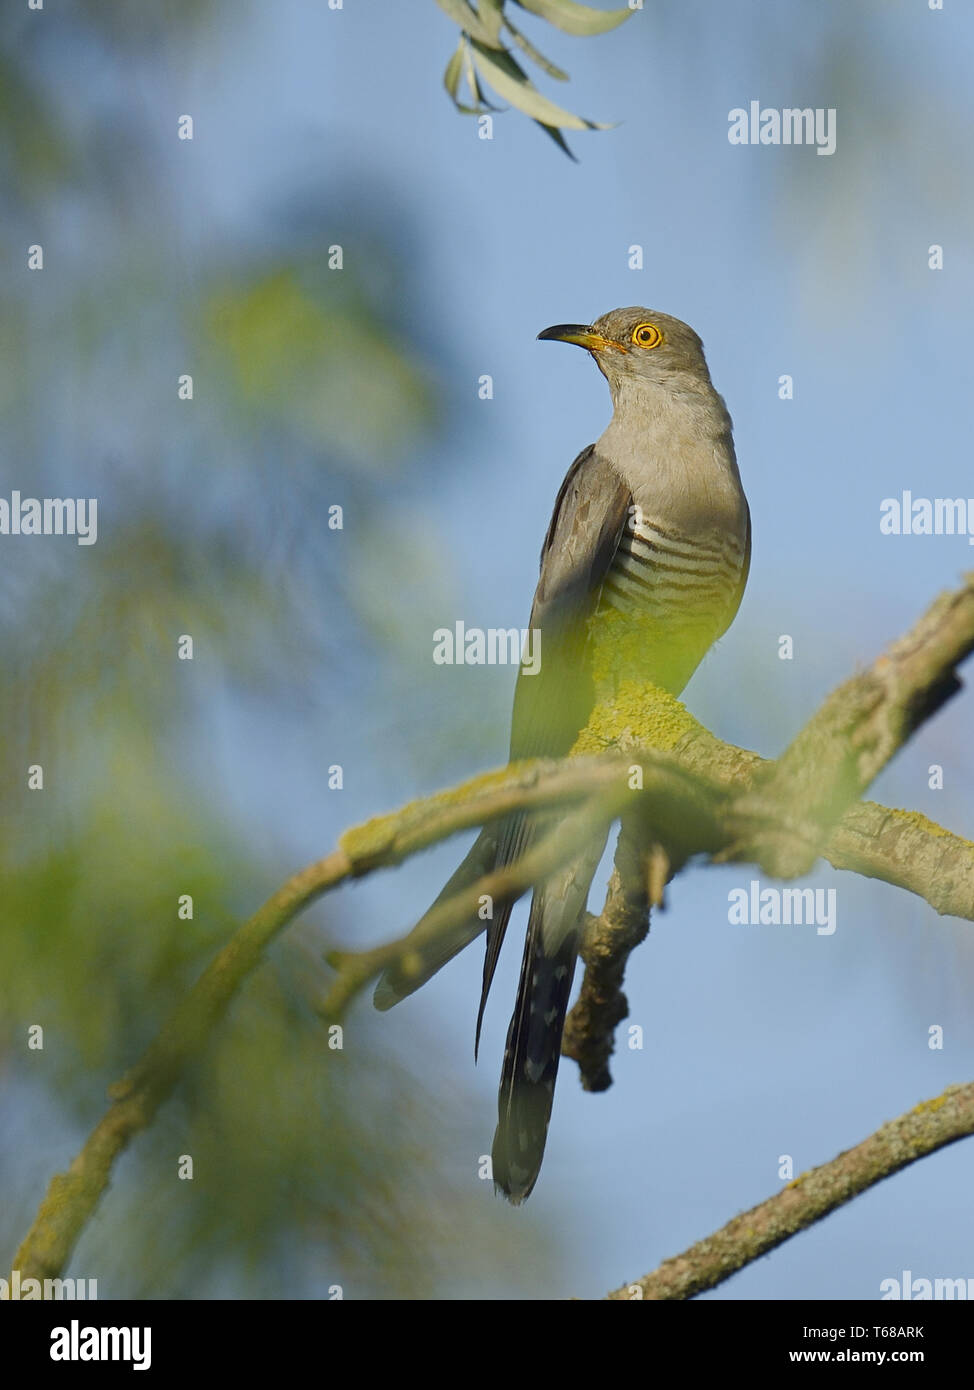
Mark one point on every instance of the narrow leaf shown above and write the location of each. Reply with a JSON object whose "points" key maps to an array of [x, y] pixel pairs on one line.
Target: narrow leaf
{"points": [[463, 13], [559, 139], [454, 71], [509, 81], [457, 68], [491, 14], [529, 51], [476, 91], [572, 18]]}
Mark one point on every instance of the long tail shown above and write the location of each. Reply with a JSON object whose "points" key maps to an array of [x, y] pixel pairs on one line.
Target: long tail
{"points": [[533, 1048], [527, 1088]]}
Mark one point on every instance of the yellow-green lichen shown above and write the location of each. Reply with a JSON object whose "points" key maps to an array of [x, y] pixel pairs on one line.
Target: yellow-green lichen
{"points": [[928, 1107], [367, 840], [627, 659], [916, 820], [636, 713], [376, 836]]}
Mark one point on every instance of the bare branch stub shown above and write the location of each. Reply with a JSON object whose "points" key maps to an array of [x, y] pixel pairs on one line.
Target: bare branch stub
{"points": [[589, 1037]]}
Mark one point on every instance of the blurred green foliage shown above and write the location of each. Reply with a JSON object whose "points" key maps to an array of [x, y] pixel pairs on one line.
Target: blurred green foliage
{"points": [[300, 353], [313, 1166]]}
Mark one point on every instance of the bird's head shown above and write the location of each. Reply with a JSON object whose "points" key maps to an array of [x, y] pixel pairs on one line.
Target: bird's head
{"points": [[637, 343]]}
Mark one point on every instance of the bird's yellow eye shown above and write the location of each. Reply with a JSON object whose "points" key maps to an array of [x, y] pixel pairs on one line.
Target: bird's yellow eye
{"points": [[646, 335]]}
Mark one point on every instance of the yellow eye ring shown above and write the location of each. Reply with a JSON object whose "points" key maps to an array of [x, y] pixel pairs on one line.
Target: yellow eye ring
{"points": [[646, 335]]}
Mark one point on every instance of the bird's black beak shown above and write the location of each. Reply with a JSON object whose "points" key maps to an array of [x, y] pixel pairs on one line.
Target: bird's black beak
{"points": [[581, 334]]}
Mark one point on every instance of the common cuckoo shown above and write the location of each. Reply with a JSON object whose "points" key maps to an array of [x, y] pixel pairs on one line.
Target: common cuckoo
{"points": [[649, 542]]}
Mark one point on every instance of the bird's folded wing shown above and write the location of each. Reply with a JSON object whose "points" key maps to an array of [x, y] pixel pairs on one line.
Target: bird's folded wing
{"points": [[552, 706]]}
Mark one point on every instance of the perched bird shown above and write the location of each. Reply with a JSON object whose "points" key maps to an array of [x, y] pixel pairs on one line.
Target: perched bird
{"points": [[650, 541]]}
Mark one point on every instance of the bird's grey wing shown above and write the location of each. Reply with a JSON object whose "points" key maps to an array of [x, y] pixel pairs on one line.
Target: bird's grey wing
{"points": [[551, 707], [587, 524]]}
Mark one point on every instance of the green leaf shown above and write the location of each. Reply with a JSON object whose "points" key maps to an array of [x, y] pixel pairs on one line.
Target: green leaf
{"points": [[559, 140], [572, 18], [454, 71], [476, 91], [510, 81], [491, 14], [458, 68], [463, 13], [529, 50]]}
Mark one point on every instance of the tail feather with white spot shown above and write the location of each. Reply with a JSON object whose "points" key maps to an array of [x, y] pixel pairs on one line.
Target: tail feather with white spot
{"points": [[531, 1057]]}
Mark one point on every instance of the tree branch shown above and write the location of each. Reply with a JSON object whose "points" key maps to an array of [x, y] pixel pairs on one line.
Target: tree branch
{"points": [[696, 787], [785, 815], [930, 1126], [356, 968], [786, 821]]}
